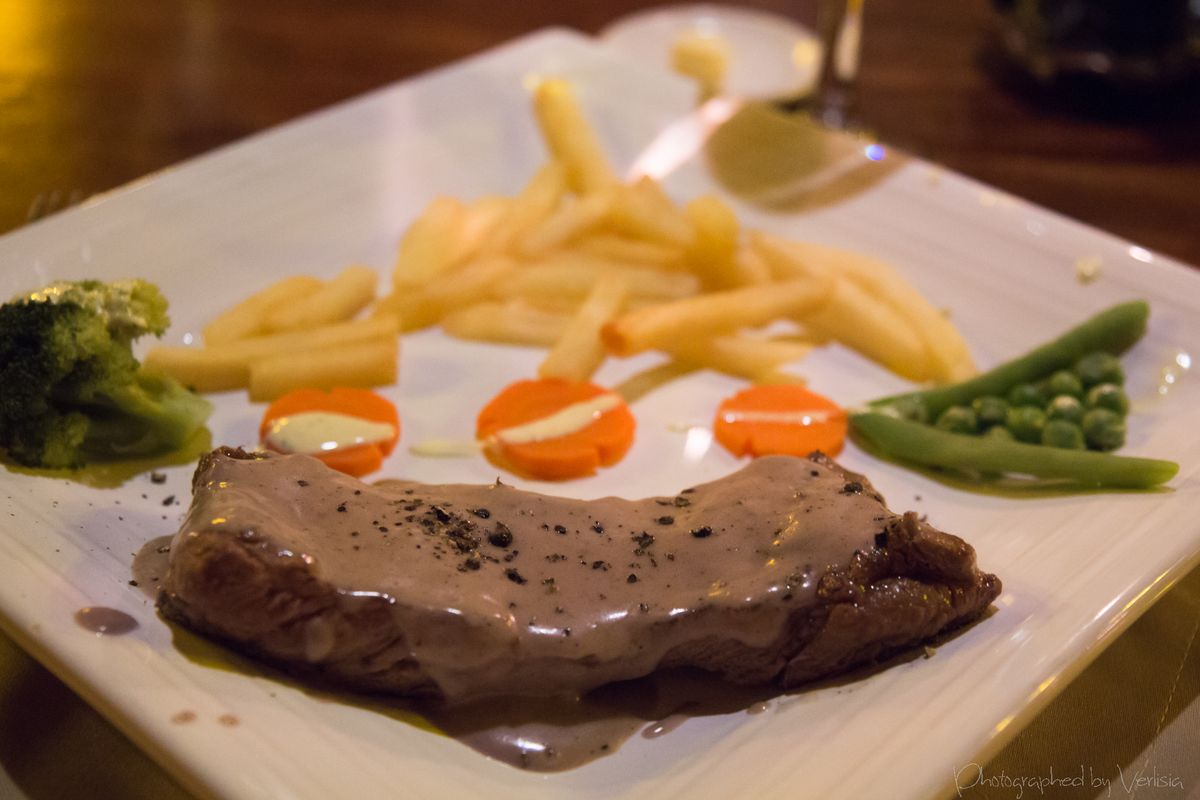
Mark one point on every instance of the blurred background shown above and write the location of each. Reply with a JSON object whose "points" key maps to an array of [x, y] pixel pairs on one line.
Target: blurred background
{"points": [[93, 95], [1050, 100]]}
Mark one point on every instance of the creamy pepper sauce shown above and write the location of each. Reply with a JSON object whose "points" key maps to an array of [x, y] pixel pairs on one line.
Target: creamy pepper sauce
{"points": [[503, 593]]}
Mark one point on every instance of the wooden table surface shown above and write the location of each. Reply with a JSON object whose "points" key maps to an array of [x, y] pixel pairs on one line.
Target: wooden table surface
{"points": [[93, 95]]}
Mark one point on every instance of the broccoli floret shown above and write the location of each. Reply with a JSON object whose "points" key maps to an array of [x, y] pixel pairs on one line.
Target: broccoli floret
{"points": [[71, 390]]}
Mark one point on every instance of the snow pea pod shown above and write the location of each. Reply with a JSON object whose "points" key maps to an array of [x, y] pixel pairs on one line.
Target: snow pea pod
{"points": [[917, 443], [1114, 330]]}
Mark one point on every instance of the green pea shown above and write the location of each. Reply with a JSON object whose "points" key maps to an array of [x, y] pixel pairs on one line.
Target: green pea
{"points": [[998, 432], [912, 408], [1064, 382], [1099, 367], [1026, 423], [1103, 429], [1110, 396], [958, 419], [1026, 394], [1065, 407], [1061, 433], [989, 410]]}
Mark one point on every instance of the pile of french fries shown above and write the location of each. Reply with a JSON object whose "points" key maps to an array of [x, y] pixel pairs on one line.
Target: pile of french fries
{"points": [[588, 266], [298, 333]]}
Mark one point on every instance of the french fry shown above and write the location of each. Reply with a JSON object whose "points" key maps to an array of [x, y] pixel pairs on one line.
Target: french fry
{"points": [[714, 249], [480, 218], [579, 352], [738, 354], [779, 376], [366, 364], [947, 351], [247, 318], [227, 366], [866, 324], [569, 138], [568, 222], [614, 247], [749, 267], [337, 301], [512, 322], [644, 212], [668, 324], [566, 275], [201, 369], [423, 306], [535, 202], [430, 244]]}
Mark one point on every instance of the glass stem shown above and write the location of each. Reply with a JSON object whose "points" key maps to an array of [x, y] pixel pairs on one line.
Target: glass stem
{"points": [[839, 24]]}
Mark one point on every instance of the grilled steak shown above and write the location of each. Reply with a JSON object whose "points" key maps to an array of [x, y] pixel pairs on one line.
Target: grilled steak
{"points": [[788, 570]]}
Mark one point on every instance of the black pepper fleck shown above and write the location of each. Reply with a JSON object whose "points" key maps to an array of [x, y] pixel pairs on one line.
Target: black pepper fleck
{"points": [[168, 500], [631, 578], [881, 539], [852, 487], [158, 477], [342, 507], [665, 520], [703, 532], [516, 577], [501, 536], [561, 530]]}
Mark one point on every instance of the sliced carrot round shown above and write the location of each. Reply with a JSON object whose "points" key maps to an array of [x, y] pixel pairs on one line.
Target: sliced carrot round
{"points": [[364, 404], [580, 427], [780, 420]]}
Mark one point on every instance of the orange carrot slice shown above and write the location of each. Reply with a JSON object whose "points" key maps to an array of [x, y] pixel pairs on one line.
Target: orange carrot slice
{"points": [[356, 460], [780, 420], [584, 427]]}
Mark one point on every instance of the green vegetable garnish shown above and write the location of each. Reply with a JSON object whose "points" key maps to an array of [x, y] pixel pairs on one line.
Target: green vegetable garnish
{"points": [[1061, 433], [926, 445], [72, 390], [1099, 367], [958, 419], [893, 425], [1065, 407], [1103, 429], [1113, 331], [989, 410], [1026, 423], [1110, 396], [1064, 382], [999, 432], [1026, 394]]}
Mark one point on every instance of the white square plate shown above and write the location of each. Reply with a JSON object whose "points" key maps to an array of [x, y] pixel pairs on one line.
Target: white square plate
{"points": [[339, 187]]}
